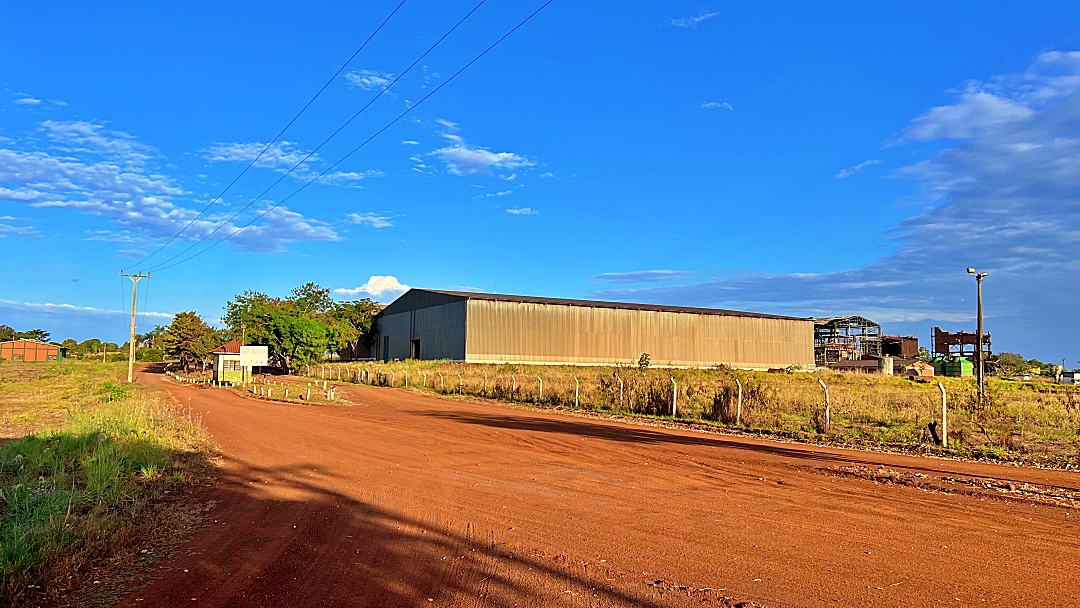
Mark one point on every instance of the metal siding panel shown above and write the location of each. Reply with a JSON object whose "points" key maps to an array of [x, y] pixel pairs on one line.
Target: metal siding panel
{"points": [[500, 331]]}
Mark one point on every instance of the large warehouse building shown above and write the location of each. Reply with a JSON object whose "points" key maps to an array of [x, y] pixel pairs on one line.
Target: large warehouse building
{"points": [[496, 328]]}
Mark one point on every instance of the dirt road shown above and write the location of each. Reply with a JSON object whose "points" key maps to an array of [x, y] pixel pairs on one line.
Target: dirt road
{"points": [[411, 500]]}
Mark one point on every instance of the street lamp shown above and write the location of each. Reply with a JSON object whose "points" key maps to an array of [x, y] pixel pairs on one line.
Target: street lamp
{"points": [[979, 338]]}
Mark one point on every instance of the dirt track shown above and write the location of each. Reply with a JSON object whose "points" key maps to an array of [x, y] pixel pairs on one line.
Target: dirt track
{"points": [[405, 499]]}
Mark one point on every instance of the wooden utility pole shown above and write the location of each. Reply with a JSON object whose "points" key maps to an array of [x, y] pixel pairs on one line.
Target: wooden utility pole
{"points": [[135, 278]]}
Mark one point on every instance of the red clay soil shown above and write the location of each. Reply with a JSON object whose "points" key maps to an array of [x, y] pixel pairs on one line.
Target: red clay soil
{"points": [[411, 500]]}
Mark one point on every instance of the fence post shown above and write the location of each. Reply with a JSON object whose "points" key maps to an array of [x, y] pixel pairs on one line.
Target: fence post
{"points": [[617, 377], [513, 386], [738, 408], [485, 384], [442, 382], [406, 379], [309, 394], [576, 386], [674, 397], [425, 378], [393, 374], [944, 417], [286, 393], [460, 384], [541, 380], [828, 406]]}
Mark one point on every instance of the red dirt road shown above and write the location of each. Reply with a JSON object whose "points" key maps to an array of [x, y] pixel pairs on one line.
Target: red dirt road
{"points": [[412, 500]]}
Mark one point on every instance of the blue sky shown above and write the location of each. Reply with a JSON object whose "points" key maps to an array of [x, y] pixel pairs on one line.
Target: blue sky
{"points": [[799, 158]]}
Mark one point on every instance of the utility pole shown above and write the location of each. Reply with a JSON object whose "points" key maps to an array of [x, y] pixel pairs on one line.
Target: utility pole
{"points": [[135, 278], [979, 276]]}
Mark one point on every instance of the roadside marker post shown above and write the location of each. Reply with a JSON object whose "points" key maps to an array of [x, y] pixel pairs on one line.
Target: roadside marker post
{"points": [[577, 387], [617, 377], [460, 384], [828, 408], [674, 397], [541, 380], [513, 386], [485, 384], [944, 417], [738, 408]]}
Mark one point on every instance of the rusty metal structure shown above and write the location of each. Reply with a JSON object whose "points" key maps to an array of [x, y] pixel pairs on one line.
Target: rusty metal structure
{"points": [[845, 339], [902, 347], [498, 328], [960, 344]]}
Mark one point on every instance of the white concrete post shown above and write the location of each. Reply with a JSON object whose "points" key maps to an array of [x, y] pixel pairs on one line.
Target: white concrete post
{"points": [[944, 416], [406, 379], [393, 374], [576, 387], [425, 379], [513, 386], [541, 381], [828, 406], [738, 408], [620, 392], [674, 398], [485, 384], [460, 384]]}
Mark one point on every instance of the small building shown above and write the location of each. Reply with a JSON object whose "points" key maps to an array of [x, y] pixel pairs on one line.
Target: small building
{"points": [[901, 347], [1070, 377], [497, 328], [919, 370], [31, 350], [227, 362]]}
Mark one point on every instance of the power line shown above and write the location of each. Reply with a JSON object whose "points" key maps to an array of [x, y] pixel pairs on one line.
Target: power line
{"points": [[276, 137], [324, 142], [365, 142]]}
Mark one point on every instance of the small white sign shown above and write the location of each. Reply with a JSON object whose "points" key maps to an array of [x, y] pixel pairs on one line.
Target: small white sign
{"points": [[254, 356]]}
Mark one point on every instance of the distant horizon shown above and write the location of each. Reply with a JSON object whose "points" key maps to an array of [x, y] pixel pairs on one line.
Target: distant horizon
{"points": [[811, 162]]}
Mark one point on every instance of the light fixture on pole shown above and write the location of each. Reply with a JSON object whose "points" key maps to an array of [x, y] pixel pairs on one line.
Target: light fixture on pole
{"points": [[979, 276]]}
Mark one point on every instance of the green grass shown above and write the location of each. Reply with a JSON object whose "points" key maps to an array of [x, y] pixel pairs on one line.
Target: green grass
{"points": [[73, 491], [1034, 422]]}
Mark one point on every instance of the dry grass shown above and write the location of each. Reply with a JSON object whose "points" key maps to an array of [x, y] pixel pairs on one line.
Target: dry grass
{"points": [[83, 471], [1029, 422]]}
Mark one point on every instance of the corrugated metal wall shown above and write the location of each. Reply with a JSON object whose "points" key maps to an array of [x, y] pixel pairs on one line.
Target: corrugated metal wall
{"points": [[518, 332], [440, 329]]}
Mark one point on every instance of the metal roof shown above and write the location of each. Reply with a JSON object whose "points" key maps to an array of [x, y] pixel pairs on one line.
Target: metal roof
{"points": [[499, 297]]}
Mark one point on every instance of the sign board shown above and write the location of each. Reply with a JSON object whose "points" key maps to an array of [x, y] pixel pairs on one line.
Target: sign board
{"points": [[254, 356]]}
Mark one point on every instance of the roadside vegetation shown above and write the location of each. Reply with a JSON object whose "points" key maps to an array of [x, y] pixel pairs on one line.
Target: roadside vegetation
{"points": [[88, 467], [1034, 422]]}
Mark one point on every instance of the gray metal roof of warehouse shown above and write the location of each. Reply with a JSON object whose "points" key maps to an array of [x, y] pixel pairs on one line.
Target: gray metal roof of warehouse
{"points": [[473, 295]]}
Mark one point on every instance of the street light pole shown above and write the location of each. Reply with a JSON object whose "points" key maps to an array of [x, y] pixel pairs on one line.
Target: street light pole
{"points": [[979, 338]]}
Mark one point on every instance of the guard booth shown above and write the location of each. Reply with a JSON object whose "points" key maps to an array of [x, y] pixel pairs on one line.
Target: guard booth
{"points": [[233, 362]]}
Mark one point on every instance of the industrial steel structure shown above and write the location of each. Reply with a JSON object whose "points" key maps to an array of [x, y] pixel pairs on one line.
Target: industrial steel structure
{"points": [[960, 344], [845, 339], [497, 328]]}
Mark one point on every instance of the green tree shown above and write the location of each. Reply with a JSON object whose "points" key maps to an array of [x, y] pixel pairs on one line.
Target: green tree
{"points": [[189, 339], [34, 334], [252, 308], [359, 317], [88, 347], [312, 299], [295, 337], [6, 333], [70, 345]]}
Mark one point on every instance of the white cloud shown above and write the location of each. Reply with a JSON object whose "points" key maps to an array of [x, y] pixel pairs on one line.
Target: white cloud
{"points": [[378, 287], [522, 211], [693, 20], [410, 142], [369, 79], [370, 220], [641, 276], [461, 159], [7, 230], [709, 105], [105, 174], [281, 155], [30, 101], [1004, 198], [845, 173], [131, 254], [69, 308]]}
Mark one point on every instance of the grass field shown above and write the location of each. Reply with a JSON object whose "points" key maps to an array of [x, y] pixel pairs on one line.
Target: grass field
{"points": [[85, 461], [1034, 422]]}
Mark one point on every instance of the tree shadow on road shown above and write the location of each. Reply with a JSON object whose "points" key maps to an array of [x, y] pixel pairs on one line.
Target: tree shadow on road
{"points": [[322, 548], [630, 433]]}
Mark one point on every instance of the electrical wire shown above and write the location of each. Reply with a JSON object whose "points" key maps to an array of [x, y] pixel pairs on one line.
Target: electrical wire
{"points": [[364, 143], [276, 137], [324, 142]]}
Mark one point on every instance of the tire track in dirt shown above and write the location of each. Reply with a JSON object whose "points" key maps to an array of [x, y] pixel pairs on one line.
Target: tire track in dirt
{"points": [[405, 497]]}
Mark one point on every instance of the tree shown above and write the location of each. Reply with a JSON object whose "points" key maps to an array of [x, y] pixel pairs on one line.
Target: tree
{"points": [[189, 339], [70, 345], [359, 316], [6, 333], [34, 334], [295, 337], [252, 308], [312, 299], [152, 338]]}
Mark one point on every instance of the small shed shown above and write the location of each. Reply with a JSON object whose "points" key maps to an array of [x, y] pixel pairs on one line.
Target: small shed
{"points": [[31, 350], [227, 362], [920, 370], [1070, 377]]}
